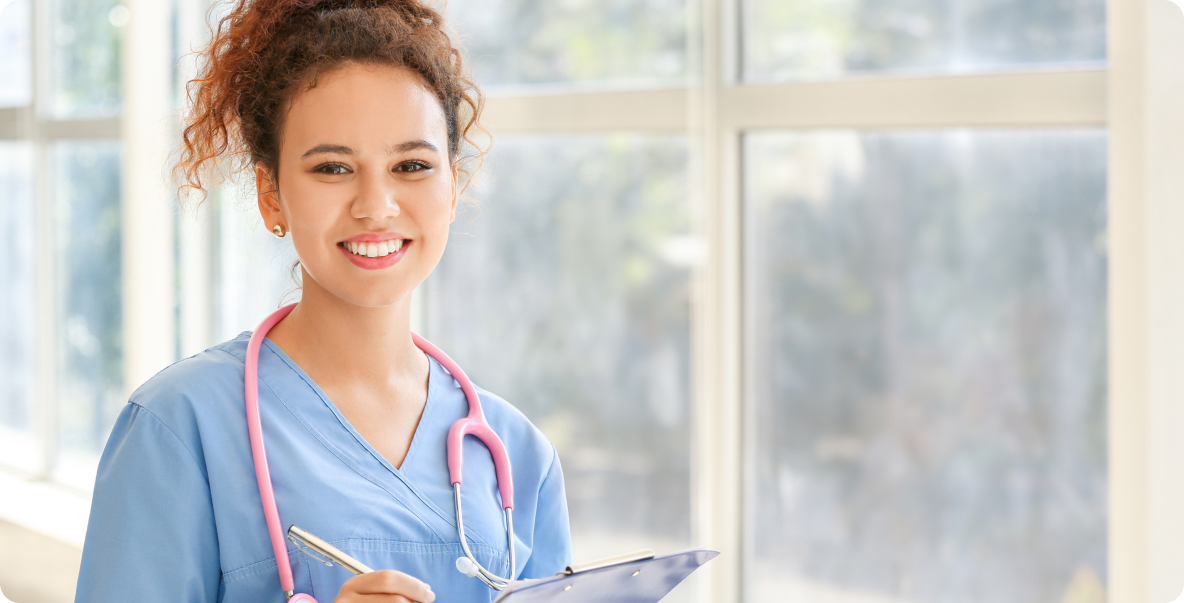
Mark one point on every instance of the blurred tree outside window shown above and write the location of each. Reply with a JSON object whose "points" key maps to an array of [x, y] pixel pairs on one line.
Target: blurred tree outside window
{"points": [[572, 42], [85, 57], [928, 337], [565, 289], [90, 388], [805, 39]]}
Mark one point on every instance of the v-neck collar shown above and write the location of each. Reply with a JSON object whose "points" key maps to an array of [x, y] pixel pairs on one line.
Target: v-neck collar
{"points": [[436, 374], [425, 418]]}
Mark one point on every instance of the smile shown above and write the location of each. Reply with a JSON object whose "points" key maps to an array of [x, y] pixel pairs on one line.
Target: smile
{"points": [[364, 252], [374, 250]]}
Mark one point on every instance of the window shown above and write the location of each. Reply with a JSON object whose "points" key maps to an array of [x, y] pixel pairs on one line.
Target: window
{"points": [[16, 51], [926, 328], [18, 371], [61, 173], [566, 288], [827, 285], [815, 39], [89, 382], [582, 42], [84, 65]]}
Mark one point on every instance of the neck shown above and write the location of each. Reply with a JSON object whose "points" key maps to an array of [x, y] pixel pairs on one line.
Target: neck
{"points": [[335, 341]]}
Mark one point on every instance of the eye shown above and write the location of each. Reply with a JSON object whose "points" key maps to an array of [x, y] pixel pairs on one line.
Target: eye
{"points": [[412, 166], [331, 168]]}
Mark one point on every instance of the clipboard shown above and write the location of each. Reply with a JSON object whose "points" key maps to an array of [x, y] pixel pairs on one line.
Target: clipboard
{"points": [[635, 578]]}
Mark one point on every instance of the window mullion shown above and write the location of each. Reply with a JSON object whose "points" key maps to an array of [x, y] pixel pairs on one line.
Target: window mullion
{"points": [[46, 296], [716, 313]]}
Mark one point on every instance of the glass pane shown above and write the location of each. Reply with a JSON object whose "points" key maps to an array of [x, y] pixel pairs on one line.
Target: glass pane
{"points": [[566, 292], [18, 445], [786, 39], [927, 339], [90, 342], [515, 42], [254, 269], [16, 57], [85, 56]]}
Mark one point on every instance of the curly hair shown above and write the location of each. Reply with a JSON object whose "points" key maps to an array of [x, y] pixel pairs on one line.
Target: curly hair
{"points": [[263, 50]]}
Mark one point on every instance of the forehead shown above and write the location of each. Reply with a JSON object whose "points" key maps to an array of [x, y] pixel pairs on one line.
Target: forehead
{"points": [[365, 107]]}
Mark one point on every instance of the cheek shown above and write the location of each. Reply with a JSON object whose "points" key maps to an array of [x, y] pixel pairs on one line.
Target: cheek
{"points": [[312, 213], [438, 206], [313, 207]]}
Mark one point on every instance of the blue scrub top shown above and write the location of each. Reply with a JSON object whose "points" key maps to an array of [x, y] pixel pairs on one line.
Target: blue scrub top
{"points": [[176, 513]]}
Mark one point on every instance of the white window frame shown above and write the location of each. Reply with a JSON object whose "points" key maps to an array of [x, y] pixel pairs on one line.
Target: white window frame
{"points": [[1138, 97], [35, 125]]}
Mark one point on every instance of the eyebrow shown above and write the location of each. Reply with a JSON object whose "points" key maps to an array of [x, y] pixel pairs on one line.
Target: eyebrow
{"points": [[329, 148], [411, 145], [402, 147]]}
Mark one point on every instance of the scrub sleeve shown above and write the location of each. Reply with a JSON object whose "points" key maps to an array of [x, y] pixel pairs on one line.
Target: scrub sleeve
{"points": [[151, 535], [550, 520]]}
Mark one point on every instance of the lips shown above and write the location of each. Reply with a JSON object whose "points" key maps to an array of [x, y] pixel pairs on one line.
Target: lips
{"points": [[374, 251]]}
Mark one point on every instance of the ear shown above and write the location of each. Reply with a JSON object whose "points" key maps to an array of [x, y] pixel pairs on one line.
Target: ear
{"points": [[455, 191], [268, 197]]}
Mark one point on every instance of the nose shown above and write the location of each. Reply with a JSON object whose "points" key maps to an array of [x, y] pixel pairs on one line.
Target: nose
{"points": [[376, 199]]}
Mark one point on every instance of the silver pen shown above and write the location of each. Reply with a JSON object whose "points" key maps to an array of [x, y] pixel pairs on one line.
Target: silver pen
{"points": [[303, 539]]}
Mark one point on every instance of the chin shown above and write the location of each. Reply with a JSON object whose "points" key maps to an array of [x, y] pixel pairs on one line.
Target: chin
{"points": [[374, 299]]}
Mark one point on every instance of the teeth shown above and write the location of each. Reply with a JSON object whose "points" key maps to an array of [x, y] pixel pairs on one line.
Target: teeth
{"points": [[375, 250]]}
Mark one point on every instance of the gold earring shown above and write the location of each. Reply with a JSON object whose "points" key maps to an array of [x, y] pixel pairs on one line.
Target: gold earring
{"points": [[278, 230]]}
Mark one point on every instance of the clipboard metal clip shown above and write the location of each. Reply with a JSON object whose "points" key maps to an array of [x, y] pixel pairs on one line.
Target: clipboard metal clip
{"points": [[642, 555]]}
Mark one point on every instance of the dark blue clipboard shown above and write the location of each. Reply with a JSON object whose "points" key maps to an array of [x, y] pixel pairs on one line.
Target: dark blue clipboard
{"points": [[643, 581]]}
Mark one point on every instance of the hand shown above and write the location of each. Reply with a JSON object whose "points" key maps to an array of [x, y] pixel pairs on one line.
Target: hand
{"points": [[386, 586]]}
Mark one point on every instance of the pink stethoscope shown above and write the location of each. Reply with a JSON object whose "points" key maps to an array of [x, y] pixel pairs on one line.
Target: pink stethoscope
{"points": [[474, 424]]}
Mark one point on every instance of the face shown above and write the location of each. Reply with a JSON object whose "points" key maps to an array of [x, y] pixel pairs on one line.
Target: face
{"points": [[365, 186]]}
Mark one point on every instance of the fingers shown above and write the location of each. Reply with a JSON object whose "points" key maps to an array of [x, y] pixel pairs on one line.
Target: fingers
{"points": [[358, 598], [389, 582]]}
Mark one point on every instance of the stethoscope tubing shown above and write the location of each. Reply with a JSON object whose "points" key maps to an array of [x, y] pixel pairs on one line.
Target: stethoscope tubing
{"points": [[258, 452], [474, 424]]}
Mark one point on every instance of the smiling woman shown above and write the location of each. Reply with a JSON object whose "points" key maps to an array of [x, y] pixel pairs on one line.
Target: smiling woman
{"points": [[352, 114], [349, 168]]}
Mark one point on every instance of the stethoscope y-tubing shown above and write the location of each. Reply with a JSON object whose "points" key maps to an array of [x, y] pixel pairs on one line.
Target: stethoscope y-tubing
{"points": [[474, 424]]}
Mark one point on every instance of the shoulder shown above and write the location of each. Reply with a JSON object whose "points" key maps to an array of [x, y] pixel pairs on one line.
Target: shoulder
{"points": [[207, 383], [213, 370], [523, 439]]}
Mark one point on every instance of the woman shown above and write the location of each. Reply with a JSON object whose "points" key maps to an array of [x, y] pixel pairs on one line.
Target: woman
{"points": [[354, 114]]}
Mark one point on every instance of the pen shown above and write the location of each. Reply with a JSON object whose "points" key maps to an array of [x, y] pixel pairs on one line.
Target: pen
{"points": [[300, 537]]}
